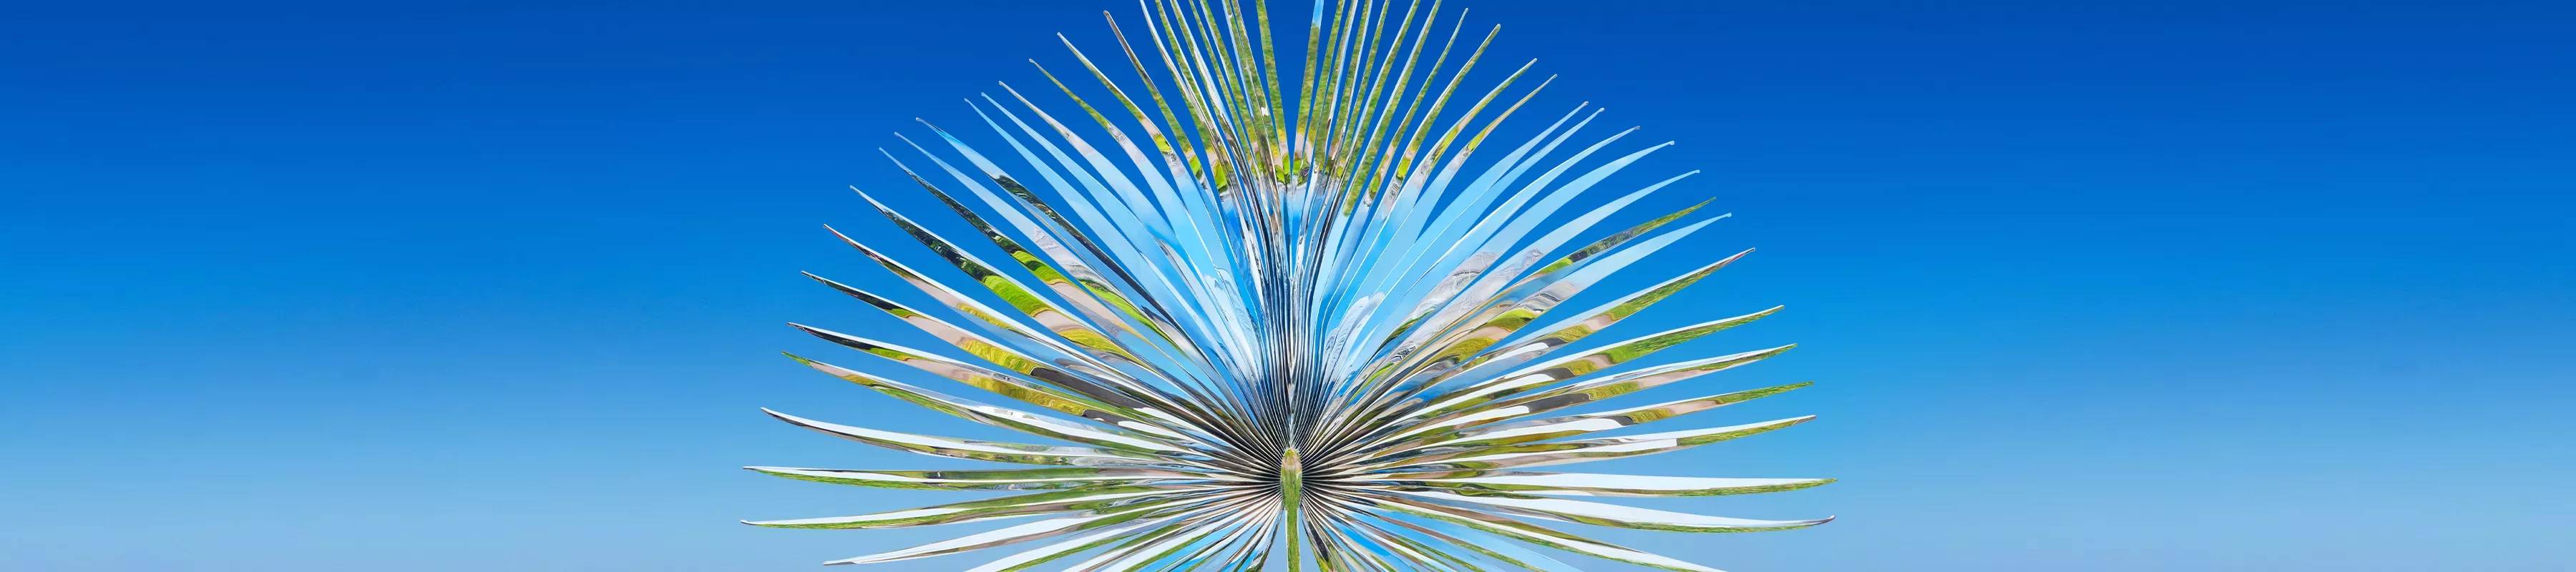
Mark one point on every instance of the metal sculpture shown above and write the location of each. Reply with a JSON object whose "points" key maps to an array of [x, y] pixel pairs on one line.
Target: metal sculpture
{"points": [[1287, 322]]}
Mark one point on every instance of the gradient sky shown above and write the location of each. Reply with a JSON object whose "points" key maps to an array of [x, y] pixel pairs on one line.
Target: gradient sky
{"points": [[2110, 287]]}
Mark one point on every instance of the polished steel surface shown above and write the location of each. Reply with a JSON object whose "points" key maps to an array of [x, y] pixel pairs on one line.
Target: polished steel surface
{"points": [[1248, 328]]}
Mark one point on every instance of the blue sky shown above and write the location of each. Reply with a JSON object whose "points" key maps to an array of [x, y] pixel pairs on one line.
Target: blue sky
{"points": [[500, 286]]}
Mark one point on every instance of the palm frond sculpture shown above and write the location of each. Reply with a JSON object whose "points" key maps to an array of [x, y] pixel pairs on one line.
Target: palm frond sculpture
{"points": [[1278, 323]]}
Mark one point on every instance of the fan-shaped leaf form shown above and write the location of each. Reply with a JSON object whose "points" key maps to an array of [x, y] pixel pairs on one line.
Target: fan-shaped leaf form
{"points": [[1250, 319]]}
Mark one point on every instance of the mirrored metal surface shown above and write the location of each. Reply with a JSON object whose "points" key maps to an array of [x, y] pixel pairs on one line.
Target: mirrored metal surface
{"points": [[1259, 315]]}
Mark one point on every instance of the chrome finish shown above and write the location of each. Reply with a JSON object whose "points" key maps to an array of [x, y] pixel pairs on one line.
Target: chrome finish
{"points": [[1270, 327]]}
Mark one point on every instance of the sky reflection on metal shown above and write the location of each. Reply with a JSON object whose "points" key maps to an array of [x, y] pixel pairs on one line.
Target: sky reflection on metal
{"points": [[1288, 322]]}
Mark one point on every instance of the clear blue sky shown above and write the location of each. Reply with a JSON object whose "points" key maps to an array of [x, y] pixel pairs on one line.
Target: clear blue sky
{"points": [[2085, 286]]}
